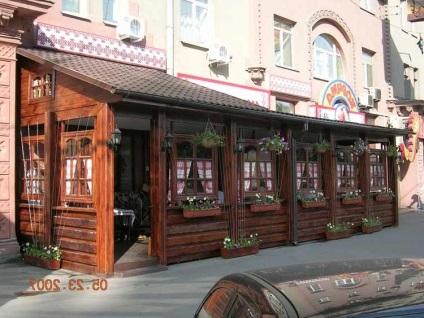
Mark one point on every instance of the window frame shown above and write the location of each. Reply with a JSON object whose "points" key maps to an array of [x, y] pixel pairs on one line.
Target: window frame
{"points": [[353, 173], [310, 153], [367, 62], [119, 6], [376, 166], [195, 34], [283, 33], [37, 92], [365, 4], [82, 9], [253, 143], [335, 54], [78, 198]]}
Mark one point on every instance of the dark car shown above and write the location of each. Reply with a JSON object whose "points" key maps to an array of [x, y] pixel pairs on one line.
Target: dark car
{"points": [[356, 288]]}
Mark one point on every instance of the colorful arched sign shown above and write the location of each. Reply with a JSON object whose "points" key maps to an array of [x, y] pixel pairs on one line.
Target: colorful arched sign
{"points": [[410, 149], [339, 93]]}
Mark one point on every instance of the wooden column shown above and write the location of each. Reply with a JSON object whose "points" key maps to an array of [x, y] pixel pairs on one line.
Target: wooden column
{"points": [[158, 186], [103, 190]]}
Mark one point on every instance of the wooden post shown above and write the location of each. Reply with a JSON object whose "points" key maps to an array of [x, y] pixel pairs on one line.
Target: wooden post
{"points": [[103, 190]]}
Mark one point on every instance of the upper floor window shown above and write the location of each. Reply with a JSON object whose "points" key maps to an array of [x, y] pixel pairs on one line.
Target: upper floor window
{"points": [[76, 7], [194, 21], [365, 4], [258, 171], [284, 107], [328, 62], [411, 82], [42, 86], [283, 42], [77, 171], [195, 169], [113, 10], [367, 68]]}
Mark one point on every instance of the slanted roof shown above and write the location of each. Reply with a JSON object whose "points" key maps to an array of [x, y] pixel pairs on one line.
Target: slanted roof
{"points": [[141, 83]]}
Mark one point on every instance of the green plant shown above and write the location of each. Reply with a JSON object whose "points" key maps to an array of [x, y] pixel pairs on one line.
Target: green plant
{"points": [[352, 194], [262, 199], [193, 203], [322, 143], [243, 241], [312, 196], [339, 226], [38, 250], [391, 151], [371, 221], [359, 147], [386, 192], [274, 143], [209, 135]]}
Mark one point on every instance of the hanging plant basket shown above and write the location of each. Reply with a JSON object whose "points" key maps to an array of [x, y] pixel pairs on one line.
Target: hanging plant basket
{"points": [[209, 138], [352, 201], [52, 264], [201, 213], [371, 229], [239, 251], [265, 207], [313, 204], [337, 235], [320, 149]]}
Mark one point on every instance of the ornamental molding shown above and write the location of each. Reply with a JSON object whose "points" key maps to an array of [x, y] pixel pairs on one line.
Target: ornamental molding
{"points": [[6, 14], [340, 24], [78, 42], [289, 86]]}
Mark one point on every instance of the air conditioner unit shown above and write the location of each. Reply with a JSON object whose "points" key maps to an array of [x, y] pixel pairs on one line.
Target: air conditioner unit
{"points": [[366, 101], [375, 92], [130, 27], [219, 53]]}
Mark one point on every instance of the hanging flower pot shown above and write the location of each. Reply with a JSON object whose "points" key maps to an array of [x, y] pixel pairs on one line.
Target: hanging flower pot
{"points": [[209, 138], [322, 146], [275, 143]]}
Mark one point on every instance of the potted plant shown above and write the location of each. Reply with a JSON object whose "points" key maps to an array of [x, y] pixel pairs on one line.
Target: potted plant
{"points": [[265, 202], [322, 146], [194, 207], [352, 197], [275, 143], [338, 230], [371, 224], [385, 195], [241, 247], [209, 138], [312, 199], [391, 151], [359, 147], [36, 254]]}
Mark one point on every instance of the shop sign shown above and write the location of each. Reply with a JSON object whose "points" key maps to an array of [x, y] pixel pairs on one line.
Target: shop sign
{"points": [[340, 113], [339, 92]]}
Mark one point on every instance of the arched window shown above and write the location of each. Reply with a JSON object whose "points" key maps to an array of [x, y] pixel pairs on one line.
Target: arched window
{"points": [[327, 59]]}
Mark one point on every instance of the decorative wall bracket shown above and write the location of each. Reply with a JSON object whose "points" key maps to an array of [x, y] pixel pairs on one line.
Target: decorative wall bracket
{"points": [[256, 74]]}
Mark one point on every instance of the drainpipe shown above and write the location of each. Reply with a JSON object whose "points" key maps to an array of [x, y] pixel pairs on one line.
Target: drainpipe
{"points": [[170, 37]]}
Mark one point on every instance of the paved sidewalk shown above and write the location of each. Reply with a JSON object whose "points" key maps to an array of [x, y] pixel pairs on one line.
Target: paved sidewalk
{"points": [[178, 291]]}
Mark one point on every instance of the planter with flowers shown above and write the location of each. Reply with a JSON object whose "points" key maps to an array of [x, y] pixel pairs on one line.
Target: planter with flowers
{"points": [[359, 147], [275, 143], [196, 208], [265, 203], [36, 254], [241, 247], [391, 151], [338, 230], [209, 138], [371, 225], [385, 195], [322, 146], [313, 199], [352, 197]]}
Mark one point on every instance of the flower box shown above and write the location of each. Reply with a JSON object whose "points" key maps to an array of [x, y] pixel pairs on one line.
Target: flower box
{"points": [[239, 251], [337, 235], [348, 201], [264, 207], [42, 262], [201, 213], [383, 198], [313, 204], [371, 229]]}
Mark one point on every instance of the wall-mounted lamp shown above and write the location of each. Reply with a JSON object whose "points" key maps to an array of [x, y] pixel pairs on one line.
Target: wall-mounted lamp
{"points": [[420, 44], [166, 144], [115, 138], [239, 146], [399, 158]]}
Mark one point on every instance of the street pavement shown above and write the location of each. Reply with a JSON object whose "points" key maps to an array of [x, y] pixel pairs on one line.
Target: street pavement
{"points": [[178, 291]]}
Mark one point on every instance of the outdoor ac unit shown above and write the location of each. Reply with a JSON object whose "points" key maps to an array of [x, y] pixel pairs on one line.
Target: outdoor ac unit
{"points": [[219, 53], [366, 101], [375, 93], [130, 27]]}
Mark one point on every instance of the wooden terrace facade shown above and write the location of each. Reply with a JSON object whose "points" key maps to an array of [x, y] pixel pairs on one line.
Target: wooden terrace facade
{"points": [[68, 176]]}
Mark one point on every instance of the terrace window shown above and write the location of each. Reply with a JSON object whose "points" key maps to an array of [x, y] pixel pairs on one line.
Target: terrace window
{"points": [[377, 172], [347, 179], [41, 86], [307, 170]]}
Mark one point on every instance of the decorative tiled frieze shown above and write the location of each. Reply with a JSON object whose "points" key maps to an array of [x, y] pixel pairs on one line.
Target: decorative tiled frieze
{"points": [[63, 39], [4, 168], [288, 86], [7, 51], [4, 111]]}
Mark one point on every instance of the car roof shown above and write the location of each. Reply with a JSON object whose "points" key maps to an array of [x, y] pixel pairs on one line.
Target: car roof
{"points": [[345, 288]]}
